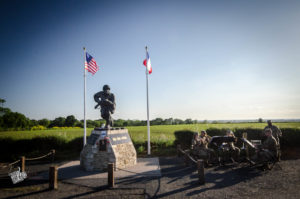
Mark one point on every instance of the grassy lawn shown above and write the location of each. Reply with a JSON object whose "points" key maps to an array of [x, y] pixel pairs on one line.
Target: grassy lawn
{"points": [[160, 133], [68, 142]]}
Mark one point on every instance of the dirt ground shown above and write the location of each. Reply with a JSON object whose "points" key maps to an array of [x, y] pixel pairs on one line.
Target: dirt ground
{"points": [[177, 181]]}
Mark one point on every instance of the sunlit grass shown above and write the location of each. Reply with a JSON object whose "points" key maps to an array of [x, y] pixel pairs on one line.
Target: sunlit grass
{"points": [[159, 134]]}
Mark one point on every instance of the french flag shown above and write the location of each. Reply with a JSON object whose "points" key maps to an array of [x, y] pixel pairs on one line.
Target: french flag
{"points": [[147, 63]]}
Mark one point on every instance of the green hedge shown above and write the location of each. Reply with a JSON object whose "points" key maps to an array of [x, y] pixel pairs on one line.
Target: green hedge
{"points": [[13, 149]]}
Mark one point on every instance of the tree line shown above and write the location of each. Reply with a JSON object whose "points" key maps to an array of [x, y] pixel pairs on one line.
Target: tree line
{"points": [[17, 121]]}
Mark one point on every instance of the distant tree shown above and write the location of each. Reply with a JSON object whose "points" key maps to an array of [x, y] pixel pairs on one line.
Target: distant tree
{"points": [[178, 121], [3, 110], [44, 122], [70, 121], [15, 120], [91, 124], [59, 121], [33, 123], [204, 122], [2, 101], [79, 124], [168, 121], [260, 120], [98, 123], [119, 123], [157, 121], [188, 121]]}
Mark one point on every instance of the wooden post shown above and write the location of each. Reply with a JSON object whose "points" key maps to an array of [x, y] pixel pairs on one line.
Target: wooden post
{"points": [[111, 180], [53, 177], [200, 166], [23, 164]]}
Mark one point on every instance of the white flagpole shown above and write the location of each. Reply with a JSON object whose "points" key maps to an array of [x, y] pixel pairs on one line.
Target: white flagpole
{"points": [[148, 122], [84, 124]]}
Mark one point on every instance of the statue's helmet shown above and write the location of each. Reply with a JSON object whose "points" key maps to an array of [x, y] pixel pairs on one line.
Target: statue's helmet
{"points": [[106, 87]]}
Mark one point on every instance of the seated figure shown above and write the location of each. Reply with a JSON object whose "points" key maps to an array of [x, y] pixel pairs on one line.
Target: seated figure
{"points": [[269, 149], [200, 146], [234, 151]]}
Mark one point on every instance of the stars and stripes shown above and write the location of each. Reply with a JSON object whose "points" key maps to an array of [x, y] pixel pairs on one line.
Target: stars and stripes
{"points": [[90, 64], [147, 63]]}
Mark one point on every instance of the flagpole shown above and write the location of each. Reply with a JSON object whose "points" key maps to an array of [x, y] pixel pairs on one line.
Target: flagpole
{"points": [[84, 100], [148, 122]]}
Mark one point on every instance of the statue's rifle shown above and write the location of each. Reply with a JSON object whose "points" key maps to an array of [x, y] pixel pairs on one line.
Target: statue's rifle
{"points": [[97, 105]]}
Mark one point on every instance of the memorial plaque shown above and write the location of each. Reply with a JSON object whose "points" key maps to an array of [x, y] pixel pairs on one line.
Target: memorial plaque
{"points": [[119, 138]]}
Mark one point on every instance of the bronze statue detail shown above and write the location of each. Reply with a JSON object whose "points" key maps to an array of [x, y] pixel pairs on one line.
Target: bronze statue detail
{"points": [[106, 100]]}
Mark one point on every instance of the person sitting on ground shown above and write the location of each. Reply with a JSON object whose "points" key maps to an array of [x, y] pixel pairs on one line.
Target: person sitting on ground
{"points": [[276, 133], [195, 140], [199, 145], [234, 151], [204, 141], [269, 150]]}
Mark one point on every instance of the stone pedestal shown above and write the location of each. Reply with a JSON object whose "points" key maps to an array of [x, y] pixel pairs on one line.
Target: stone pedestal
{"points": [[108, 146]]}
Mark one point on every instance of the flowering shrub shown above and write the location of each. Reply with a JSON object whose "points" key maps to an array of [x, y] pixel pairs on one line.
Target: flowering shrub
{"points": [[38, 127], [64, 128]]}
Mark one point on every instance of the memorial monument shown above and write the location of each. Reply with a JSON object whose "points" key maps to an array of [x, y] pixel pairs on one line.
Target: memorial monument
{"points": [[108, 144]]}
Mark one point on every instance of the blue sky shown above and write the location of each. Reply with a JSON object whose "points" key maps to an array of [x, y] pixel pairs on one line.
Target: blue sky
{"points": [[210, 59]]}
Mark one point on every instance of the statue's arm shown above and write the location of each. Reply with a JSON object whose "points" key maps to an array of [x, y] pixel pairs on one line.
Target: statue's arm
{"points": [[97, 97], [111, 100]]}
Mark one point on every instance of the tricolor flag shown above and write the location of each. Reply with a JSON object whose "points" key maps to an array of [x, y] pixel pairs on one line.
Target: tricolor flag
{"points": [[90, 64], [147, 63]]}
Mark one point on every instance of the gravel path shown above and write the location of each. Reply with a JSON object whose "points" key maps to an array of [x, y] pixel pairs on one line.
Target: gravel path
{"points": [[283, 181]]}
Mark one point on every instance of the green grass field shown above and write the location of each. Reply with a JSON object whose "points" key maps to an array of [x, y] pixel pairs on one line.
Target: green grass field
{"points": [[68, 142], [160, 133]]}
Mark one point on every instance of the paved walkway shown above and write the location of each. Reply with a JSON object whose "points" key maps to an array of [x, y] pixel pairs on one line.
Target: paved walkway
{"points": [[176, 181], [72, 171]]}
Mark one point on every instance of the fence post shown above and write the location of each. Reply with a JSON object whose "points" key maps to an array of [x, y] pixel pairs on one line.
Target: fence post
{"points": [[53, 177], [111, 180], [23, 163], [200, 166]]}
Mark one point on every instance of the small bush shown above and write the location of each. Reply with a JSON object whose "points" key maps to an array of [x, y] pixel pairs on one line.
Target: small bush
{"points": [[38, 127], [141, 149], [64, 127]]}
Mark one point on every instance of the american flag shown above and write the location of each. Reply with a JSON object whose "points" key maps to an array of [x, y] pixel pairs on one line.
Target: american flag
{"points": [[90, 64]]}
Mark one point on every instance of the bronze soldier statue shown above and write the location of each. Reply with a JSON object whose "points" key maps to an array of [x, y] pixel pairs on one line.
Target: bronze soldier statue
{"points": [[106, 100]]}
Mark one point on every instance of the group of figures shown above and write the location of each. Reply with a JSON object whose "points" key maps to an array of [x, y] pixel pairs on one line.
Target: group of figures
{"points": [[220, 149]]}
